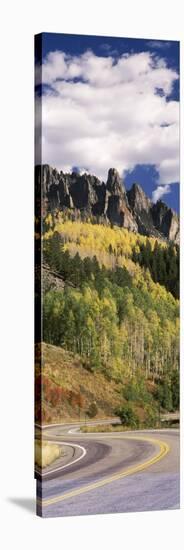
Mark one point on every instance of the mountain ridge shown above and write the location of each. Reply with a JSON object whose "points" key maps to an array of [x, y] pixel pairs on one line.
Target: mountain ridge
{"points": [[108, 202]]}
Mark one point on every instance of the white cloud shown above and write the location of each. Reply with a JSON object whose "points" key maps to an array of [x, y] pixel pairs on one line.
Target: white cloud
{"points": [[160, 191], [159, 44], [111, 114]]}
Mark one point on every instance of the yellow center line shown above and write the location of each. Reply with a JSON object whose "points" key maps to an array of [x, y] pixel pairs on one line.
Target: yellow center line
{"points": [[163, 450]]}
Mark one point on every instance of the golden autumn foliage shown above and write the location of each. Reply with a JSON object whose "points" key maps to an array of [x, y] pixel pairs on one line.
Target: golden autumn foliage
{"points": [[110, 312], [111, 246]]}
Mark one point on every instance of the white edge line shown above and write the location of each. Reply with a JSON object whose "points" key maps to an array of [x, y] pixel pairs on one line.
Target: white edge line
{"points": [[103, 433], [84, 451], [43, 426]]}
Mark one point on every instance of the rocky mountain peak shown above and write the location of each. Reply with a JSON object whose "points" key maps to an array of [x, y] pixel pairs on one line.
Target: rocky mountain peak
{"points": [[109, 201], [138, 199], [114, 182], [165, 220]]}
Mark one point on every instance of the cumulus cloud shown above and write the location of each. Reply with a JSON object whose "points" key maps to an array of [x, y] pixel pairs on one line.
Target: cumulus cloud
{"points": [[160, 191], [102, 111]]}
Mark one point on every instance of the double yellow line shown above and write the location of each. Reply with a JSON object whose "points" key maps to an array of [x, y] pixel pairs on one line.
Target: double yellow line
{"points": [[163, 450]]}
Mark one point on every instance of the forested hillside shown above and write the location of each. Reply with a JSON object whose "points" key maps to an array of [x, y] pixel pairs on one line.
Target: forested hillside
{"points": [[117, 307]]}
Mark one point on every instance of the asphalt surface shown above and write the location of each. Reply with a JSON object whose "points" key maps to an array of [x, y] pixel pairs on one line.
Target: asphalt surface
{"points": [[111, 472]]}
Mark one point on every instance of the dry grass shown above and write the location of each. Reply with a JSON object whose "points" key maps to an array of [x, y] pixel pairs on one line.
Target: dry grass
{"points": [[66, 370], [103, 428], [46, 453]]}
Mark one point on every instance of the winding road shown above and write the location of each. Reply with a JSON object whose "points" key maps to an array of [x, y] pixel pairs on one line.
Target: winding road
{"points": [[109, 472]]}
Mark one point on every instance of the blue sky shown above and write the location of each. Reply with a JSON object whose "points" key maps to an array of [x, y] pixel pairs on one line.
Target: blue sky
{"points": [[113, 102]]}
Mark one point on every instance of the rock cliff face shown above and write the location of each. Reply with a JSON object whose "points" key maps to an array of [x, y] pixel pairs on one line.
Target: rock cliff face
{"points": [[109, 202], [166, 221]]}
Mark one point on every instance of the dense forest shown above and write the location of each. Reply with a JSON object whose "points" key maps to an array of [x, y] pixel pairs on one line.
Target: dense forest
{"points": [[163, 264], [118, 308]]}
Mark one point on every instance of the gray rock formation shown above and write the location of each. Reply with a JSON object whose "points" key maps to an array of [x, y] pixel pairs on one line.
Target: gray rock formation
{"points": [[118, 211], [109, 202], [166, 221]]}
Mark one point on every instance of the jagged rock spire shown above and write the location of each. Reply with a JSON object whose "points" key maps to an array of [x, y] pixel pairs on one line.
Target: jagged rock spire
{"points": [[110, 202]]}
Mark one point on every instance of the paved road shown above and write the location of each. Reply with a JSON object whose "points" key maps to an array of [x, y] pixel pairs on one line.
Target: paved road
{"points": [[112, 472]]}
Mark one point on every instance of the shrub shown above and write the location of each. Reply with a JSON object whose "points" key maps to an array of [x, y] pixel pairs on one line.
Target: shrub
{"points": [[136, 390], [128, 416], [175, 389], [163, 394], [92, 410], [151, 417]]}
